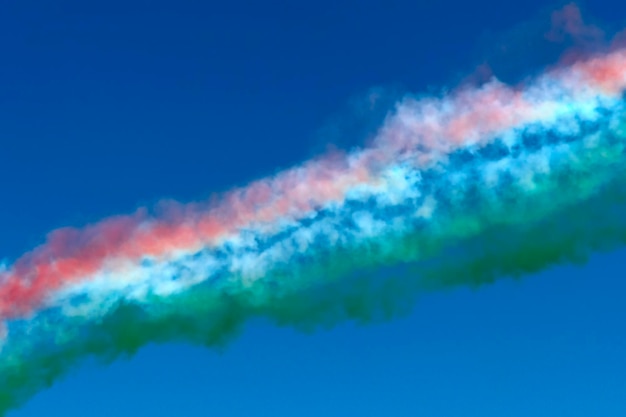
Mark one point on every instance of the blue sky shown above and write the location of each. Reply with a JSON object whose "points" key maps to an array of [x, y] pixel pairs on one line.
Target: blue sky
{"points": [[105, 106]]}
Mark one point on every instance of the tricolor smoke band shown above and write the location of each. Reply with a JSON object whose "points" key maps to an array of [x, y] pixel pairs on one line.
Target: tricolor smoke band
{"points": [[486, 182]]}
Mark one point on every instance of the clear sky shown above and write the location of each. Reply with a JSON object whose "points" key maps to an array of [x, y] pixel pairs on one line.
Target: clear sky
{"points": [[109, 105]]}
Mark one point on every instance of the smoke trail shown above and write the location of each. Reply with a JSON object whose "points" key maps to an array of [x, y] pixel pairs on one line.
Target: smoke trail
{"points": [[460, 189]]}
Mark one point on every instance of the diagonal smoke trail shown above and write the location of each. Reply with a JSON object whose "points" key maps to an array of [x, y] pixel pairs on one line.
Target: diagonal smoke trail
{"points": [[461, 189]]}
